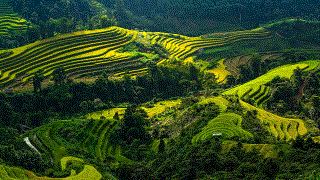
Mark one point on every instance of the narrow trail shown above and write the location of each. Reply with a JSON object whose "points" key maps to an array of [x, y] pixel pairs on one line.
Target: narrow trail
{"points": [[26, 139]]}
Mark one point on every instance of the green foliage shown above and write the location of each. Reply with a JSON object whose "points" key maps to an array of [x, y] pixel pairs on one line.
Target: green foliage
{"points": [[105, 21], [65, 25], [131, 127], [161, 146], [270, 167], [37, 80], [59, 76]]}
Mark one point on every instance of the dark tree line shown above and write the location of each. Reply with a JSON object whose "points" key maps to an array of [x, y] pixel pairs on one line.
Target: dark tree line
{"points": [[66, 98]]}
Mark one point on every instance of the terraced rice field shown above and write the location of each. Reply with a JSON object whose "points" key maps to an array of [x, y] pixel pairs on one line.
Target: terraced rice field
{"points": [[97, 137], [180, 47], [91, 52], [232, 64], [14, 173], [256, 92], [88, 173], [258, 95], [44, 139], [9, 21], [283, 71], [220, 71], [280, 127], [226, 124], [230, 124], [94, 141], [80, 53], [220, 101]]}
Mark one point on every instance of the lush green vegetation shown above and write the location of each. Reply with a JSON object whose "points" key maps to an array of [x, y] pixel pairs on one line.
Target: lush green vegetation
{"points": [[162, 106]]}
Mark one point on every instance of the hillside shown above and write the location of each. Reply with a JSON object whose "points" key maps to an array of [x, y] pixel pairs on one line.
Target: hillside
{"points": [[90, 53], [114, 103]]}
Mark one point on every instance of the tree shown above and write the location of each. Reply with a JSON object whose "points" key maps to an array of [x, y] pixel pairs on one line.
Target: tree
{"points": [[309, 143], [65, 25], [209, 81], [155, 74], [59, 76], [105, 21], [33, 33], [6, 113], [37, 80], [270, 167], [298, 143], [162, 146], [297, 78], [256, 65], [194, 73], [231, 80], [132, 127], [50, 29], [116, 116]]}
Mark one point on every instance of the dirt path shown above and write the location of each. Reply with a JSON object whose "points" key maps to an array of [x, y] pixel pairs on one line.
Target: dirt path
{"points": [[26, 139]]}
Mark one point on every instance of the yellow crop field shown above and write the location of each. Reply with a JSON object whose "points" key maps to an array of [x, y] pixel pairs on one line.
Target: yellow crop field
{"points": [[160, 107], [220, 71], [87, 52], [65, 160], [181, 47], [14, 173], [316, 139], [108, 113], [9, 21], [79, 53], [280, 127]]}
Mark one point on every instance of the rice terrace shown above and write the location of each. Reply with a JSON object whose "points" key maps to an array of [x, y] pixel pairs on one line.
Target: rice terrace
{"points": [[159, 89]]}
